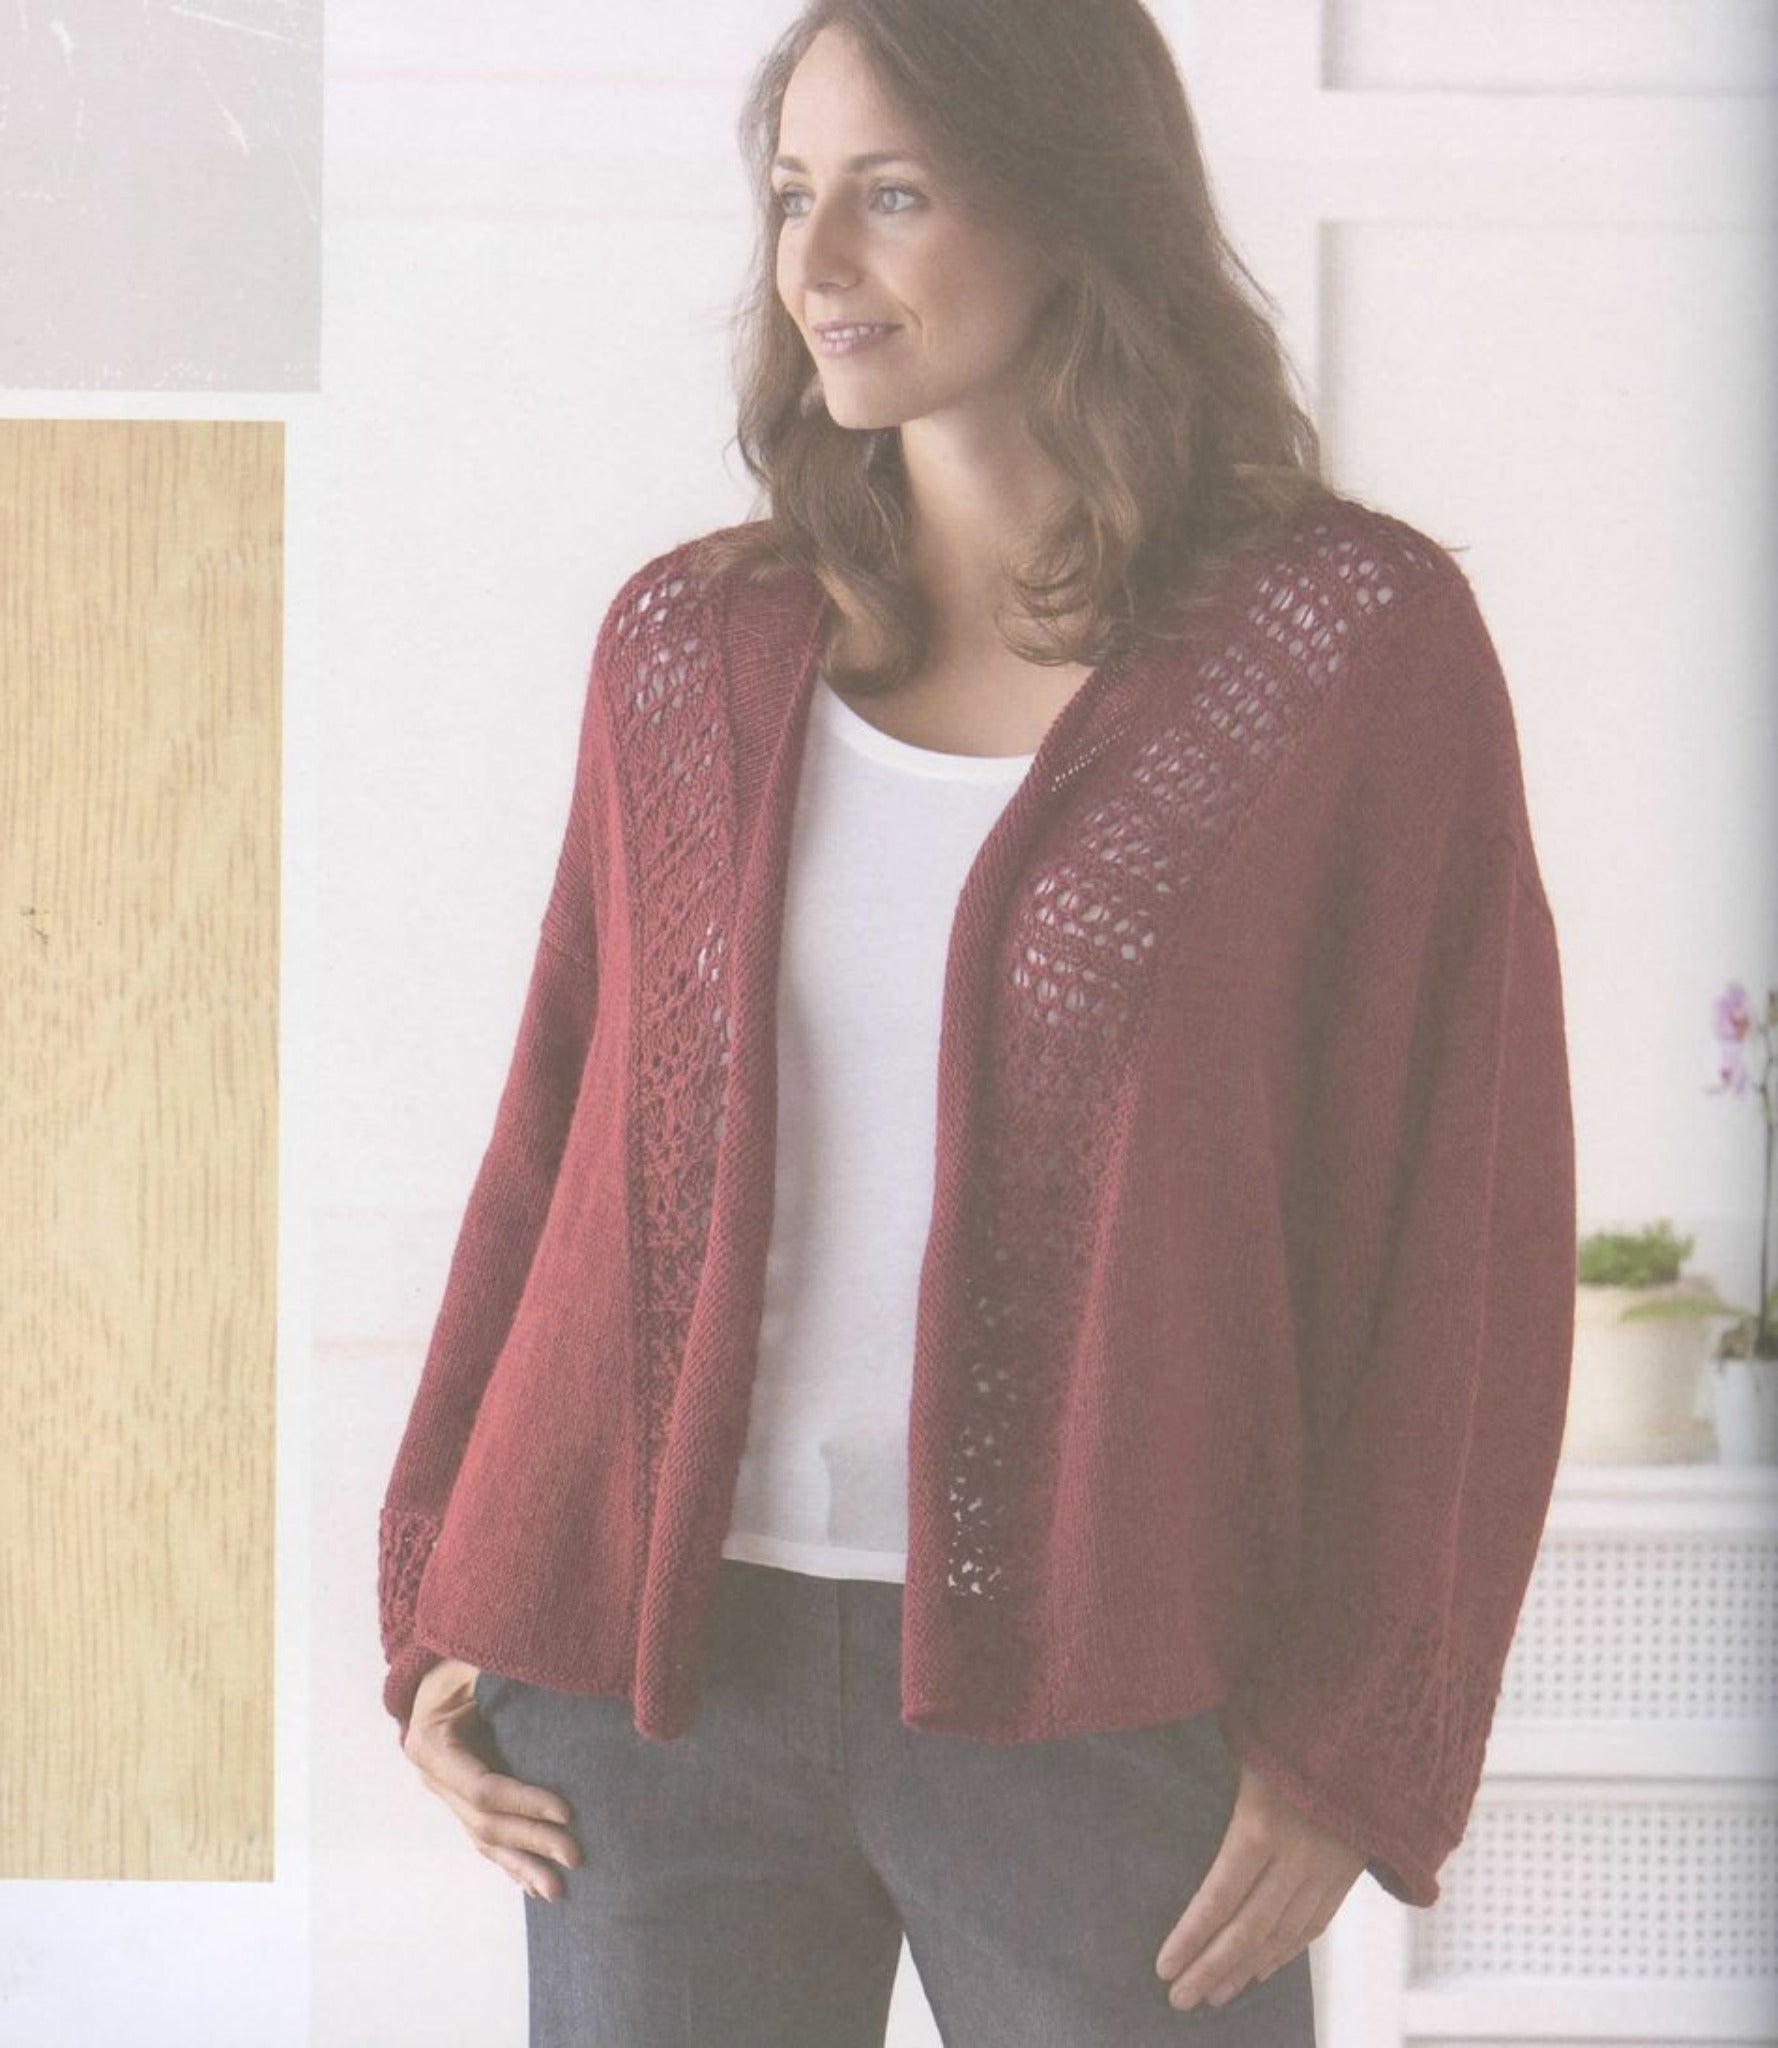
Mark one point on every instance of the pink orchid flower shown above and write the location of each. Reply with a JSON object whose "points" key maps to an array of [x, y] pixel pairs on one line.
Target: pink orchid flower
{"points": [[1732, 1021]]}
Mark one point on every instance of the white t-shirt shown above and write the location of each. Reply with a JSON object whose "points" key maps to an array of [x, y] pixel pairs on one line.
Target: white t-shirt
{"points": [[883, 835]]}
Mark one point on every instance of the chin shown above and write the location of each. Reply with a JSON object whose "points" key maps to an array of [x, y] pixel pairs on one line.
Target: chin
{"points": [[862, 419]]}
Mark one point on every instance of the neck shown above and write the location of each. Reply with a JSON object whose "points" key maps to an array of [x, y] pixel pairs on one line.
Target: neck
{"points": [[978, 493]]}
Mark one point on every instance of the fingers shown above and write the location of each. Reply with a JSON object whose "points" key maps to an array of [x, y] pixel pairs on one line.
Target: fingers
{"points": [[1270, 1929], [1310, 1909], [537, 1879], [530, 1853], [1277, 1879], [445, 1758], [524, 1829], [503, 1814], [1229, 1956], [1239, 1865]]}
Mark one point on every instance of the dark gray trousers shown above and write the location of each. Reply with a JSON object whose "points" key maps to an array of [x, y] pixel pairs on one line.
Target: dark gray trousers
{"points": [[748, 1884]]}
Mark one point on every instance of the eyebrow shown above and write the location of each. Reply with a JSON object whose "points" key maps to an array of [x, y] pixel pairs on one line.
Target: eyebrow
{"points": [[867, 162]]}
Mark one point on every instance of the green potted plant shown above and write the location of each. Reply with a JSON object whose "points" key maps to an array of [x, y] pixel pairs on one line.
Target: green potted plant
{"points": [[1639, 1345]]}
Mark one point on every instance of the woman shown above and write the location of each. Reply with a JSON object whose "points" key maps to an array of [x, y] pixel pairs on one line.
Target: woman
{"points": [[1084, 1543]]}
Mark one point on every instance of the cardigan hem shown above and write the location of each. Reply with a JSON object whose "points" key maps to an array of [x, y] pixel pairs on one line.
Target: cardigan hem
{"points": [[551, 1677]]}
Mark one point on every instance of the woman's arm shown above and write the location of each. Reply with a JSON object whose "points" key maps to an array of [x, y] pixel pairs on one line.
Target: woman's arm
{"points": [[1434, 1246], [502, 1223]]}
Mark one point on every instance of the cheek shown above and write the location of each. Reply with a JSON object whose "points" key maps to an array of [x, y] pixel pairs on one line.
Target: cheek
{"points": [[989, 328], [993, 305]]}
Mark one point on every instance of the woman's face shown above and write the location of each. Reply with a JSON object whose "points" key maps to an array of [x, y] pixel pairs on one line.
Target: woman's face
{"points": [[889, 245]]}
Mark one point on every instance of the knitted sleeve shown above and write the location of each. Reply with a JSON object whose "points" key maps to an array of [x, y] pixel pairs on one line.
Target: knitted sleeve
{"points": [[1436, 1315], [502, 1222]]}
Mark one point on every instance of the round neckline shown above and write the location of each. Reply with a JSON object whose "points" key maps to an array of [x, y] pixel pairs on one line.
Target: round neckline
{"points": [[858, 732]]}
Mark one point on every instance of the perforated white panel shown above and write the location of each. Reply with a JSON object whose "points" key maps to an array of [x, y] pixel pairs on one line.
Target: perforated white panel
{"points": [[1620, 1888], [1660, 1626]]}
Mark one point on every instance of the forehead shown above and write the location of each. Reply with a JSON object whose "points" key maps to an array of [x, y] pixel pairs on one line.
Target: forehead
{"points": [[834, 101]]}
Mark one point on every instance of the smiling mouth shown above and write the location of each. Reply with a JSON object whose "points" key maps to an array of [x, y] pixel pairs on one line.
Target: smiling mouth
{"points": [[840, 341]]}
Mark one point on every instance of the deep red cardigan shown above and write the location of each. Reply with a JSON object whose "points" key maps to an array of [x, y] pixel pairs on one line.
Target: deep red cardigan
{"points": [[1245, 1316]]}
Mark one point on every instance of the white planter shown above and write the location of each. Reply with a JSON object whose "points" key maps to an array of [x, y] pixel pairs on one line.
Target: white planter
{"points": [[1634, 1397], [1744, 1401]]}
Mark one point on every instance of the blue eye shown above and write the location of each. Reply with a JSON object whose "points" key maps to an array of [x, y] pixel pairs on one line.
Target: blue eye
{"points": [[786, 193]]}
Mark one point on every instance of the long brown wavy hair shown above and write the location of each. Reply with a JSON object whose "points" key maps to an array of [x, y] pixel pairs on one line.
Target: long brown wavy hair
{"points": [[1155, 379]]}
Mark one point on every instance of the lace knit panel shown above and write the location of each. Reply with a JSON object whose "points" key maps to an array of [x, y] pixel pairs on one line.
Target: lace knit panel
{"points": [[1076, 968], [674, 762], [404, 1545], [1391, 1686]]}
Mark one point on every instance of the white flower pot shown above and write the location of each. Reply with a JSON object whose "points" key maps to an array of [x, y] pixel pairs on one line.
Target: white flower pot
{"points": [[1634, 1397], [1744, 1401]]}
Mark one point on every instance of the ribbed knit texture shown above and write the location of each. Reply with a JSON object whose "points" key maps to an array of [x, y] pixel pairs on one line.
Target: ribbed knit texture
{"points": [[1243, 1332]]}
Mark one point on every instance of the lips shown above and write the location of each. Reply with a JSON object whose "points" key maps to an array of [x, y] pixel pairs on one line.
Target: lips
{"points": [[842, 338]]}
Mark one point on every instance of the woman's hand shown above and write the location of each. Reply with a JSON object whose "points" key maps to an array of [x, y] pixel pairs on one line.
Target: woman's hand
{"points": [[1277, 1880], [520, 1827]]}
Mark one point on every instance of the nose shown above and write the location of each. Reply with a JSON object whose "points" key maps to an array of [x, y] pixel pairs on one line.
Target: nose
{"points": [[820, 252]]}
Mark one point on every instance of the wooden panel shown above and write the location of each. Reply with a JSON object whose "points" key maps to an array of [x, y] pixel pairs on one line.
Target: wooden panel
{"points": [[140, 634]]}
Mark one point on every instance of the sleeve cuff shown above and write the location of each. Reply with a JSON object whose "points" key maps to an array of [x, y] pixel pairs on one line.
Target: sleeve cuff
{"points": [[404, 1547], [1404, 1868], [406, 1670]]}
